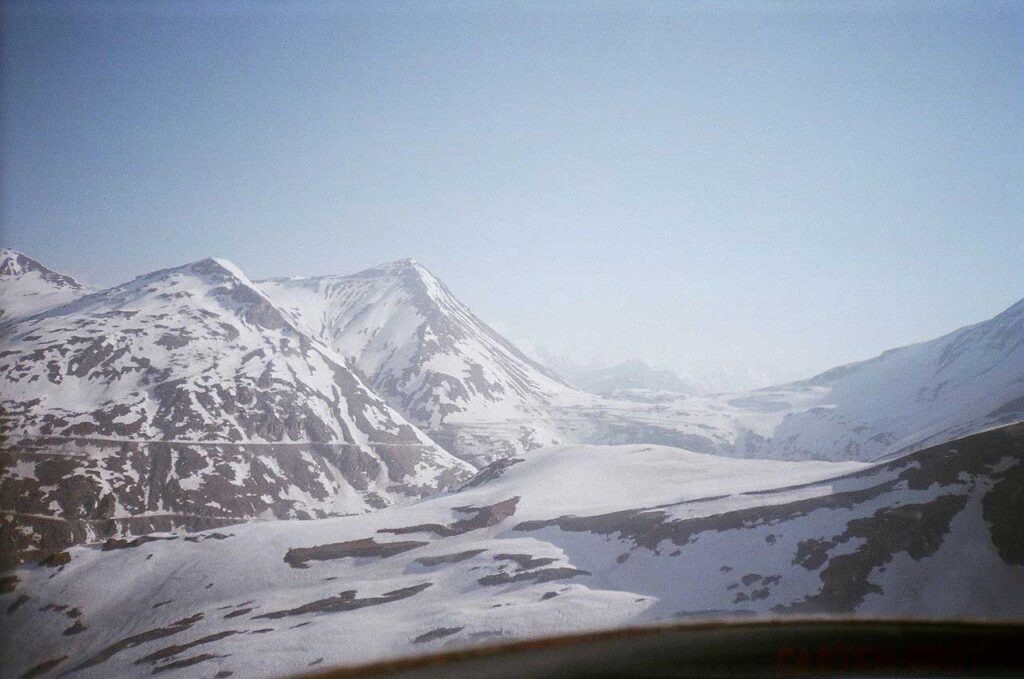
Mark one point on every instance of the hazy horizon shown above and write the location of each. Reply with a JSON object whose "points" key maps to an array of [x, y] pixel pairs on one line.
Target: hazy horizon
{"points": [[775, 189], [720, 377]]}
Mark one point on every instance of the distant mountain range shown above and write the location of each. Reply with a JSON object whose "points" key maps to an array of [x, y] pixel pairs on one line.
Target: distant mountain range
{"points": [[626, 376], [636, 374], [195, 397]]}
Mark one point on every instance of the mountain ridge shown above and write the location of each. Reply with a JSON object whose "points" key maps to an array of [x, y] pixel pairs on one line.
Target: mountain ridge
{"points": [[27, 286], [967, 380], [338, 394], [193, 366], [428, 355]]}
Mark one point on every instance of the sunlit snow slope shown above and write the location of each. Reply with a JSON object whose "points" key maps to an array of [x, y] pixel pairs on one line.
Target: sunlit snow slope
{"points": [[969, 380], [429, 356], [563, 539], [482, 399], [192, 398]]}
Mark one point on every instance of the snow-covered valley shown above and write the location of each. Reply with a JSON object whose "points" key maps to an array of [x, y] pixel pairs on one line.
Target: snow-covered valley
{"points": [[565, 539]]}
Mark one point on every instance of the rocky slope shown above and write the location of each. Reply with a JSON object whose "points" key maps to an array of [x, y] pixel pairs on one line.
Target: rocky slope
{"points": [[561, 540], [193, 398], [429, 356], [185, 397], [27, 287]]}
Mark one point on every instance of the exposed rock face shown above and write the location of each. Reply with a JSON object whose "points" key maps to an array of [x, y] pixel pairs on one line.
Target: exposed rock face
{"points": [[60, 492], [479, 517], [187, 393], [346, 601], [364, 548]]}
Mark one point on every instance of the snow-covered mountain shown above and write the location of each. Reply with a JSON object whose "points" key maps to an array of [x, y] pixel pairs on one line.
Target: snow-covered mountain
{"points": [[623, 377], [906, 398], [185, 397], [697, 378], [193, 398], [564, 539], [429, 356], [27, 287], [482, 399]]}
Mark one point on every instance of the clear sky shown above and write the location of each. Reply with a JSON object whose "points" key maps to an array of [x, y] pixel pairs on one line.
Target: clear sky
{"points": [[771, 187]]}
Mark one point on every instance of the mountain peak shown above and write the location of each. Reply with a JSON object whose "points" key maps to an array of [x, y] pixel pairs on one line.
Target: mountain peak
{"points": [[633, 373], [412, 275], [28, 287], [219, 266], [14, 263], [429, 356], [211, 271], [399, 267]]}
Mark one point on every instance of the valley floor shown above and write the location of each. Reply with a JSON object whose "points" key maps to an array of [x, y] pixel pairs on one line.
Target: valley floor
{"points": [[558, 540]]}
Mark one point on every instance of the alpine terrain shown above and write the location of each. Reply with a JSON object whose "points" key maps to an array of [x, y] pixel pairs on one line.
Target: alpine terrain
{"points": [[206, 476], [26, 286], [569, 538], [967, 381], [186, 398], [429, 356]]}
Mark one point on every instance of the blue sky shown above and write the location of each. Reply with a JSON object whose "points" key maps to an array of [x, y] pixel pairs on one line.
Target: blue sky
{"points": [[770, 187]]}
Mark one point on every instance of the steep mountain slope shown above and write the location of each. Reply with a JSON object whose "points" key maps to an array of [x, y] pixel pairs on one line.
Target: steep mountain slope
{"points": [[186, 395], [906, 398], [565, 539], [482, 399], [469, 388], [429, 356], [27, 287]]}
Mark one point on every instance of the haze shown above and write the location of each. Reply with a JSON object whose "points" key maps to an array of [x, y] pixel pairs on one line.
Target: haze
{"points": [[775, 189]]}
